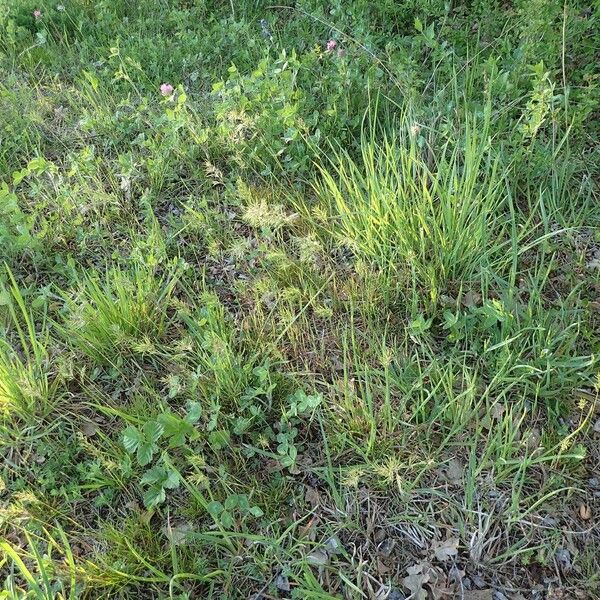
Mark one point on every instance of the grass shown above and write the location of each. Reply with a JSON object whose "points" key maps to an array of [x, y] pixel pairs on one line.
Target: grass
{"points": [[401, 206], [25, 384], [320, 323], [127, 312]]}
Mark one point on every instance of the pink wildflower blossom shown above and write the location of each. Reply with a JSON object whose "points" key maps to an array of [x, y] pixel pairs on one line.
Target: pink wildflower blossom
{"points": [[166, 89], [37, 14], [331, 45]]}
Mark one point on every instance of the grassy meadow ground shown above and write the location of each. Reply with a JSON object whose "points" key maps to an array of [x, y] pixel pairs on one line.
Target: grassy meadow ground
{"points": [[299, 301]]}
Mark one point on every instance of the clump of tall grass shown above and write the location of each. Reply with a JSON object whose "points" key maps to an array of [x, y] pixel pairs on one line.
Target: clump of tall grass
{"points": [[124, 311], [25, 384], [436, 212], [37, 572]]}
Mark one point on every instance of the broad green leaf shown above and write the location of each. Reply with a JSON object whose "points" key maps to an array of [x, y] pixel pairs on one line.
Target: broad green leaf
{"points": [[214, 508], [227, 520], [145, 452], [154, 475], [152, 431], [169, 422], [171, 480], [175, 428], [194, 412], [154, 496], [132, 437], [219, 439], [243, 502], [261, 372], [177, 440], [231, 502]]}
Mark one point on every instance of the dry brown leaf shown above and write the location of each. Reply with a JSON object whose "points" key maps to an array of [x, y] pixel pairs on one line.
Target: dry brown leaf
{"points": [[312, 496], [89, 428], [178, 535], [456, 575], [382, 568], [282, 583], [333, 545], [415, 580], [379, 535], [318, 557], [497, 410], [386, 547], [563, 558], [309, 529], [455, 471], [445, 549], [585, 512], [437, 585], [533, 438], [425, 581], [471, 299]]}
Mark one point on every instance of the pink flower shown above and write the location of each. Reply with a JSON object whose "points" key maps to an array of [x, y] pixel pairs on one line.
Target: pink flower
{"points": [[331, 45], [166, 89], [37, 14]]}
